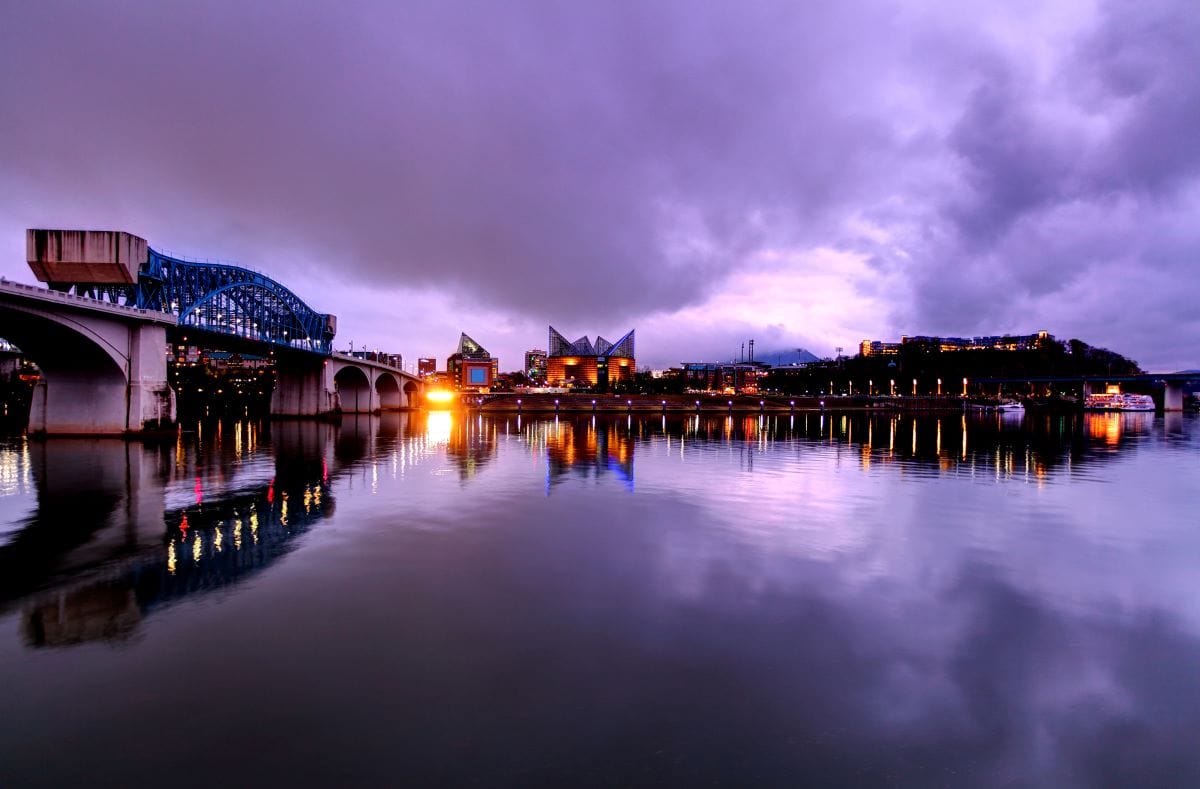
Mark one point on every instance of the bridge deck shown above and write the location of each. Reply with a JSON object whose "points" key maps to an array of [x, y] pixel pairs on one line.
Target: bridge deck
{"points": [[71, 301]]}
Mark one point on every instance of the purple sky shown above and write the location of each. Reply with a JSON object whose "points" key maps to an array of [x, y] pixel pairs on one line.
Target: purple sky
{"points": [[807, 174]]}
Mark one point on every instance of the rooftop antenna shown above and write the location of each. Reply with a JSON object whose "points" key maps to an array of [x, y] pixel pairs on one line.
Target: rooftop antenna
{"points": [[751, 351]]}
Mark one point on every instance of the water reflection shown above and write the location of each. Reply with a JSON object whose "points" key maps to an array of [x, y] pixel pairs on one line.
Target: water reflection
{"points": [[121, 528], [584, 448], [471, 441], [851, 598], [1004, 444]]}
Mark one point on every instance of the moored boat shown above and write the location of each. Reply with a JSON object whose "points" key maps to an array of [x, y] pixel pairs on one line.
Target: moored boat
{"points": [[1009, 406], [1116, 400]]}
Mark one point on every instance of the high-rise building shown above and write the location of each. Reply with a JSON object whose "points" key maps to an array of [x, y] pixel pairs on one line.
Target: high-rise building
{"points": [[535, 365], [471, 367], [425, 366]]}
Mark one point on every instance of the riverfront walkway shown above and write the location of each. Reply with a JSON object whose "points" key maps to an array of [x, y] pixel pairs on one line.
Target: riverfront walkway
{"points": [[693, 403]]}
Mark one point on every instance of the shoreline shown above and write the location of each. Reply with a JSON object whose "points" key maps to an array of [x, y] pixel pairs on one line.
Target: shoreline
{"points": [[699, 404]]}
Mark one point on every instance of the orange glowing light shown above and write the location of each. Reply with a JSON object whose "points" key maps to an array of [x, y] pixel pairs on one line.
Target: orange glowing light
{"points": [[439, 396]]}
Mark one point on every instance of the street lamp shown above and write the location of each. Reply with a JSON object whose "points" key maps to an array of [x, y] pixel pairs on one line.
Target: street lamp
{"points": [[939, 387], [892, 385], [914, 387]]}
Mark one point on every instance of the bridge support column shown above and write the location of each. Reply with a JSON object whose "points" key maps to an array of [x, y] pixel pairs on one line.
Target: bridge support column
{"points": [[96, 401], [303, 388], [1172, 396], [151, 399]]}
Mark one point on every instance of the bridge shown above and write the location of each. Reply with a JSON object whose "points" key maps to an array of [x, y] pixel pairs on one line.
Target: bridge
{"points": [[100, 332], [1172, 383]]}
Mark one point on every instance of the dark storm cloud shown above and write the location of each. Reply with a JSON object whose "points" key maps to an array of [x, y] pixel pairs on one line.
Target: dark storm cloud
{"points": [[583, 163], [610, 156], [1071, 176]]}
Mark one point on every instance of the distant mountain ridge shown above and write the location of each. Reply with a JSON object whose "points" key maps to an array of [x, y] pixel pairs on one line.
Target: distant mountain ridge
{"points": [[786, 356]]}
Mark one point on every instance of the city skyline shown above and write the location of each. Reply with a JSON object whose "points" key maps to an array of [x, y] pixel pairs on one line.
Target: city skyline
{"points": [[705, 174]]}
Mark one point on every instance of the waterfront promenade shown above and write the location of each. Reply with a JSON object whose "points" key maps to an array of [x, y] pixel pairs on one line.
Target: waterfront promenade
{"points": [[691, 403]]}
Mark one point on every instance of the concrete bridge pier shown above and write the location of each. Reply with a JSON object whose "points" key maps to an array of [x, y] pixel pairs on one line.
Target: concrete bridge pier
{"points": [[303, 388], [1172, 395]]}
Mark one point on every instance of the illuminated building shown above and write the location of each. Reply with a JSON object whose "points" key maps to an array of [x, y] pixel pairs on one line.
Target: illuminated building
{"points": [[535, 364], [878, 348], [426, 366], [471, 367], [740, 377], [586, 364], [995, 342]]}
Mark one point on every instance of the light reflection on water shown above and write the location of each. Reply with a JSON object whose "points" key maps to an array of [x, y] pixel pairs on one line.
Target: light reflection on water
{"points": [[851, 598]]}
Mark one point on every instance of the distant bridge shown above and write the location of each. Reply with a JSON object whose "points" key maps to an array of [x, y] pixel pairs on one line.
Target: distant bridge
{"points": [[1172, 383], [99, 333]]}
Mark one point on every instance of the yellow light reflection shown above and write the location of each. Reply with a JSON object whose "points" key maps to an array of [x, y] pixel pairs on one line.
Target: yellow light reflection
{"points": [[196, 547], [171, 557], [438, 426]]}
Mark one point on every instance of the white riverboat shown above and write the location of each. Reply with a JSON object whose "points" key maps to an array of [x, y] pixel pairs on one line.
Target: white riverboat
{"points": [[1115, 400]]}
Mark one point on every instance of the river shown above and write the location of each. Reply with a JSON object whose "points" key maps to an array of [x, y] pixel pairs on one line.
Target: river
{"points": [[448, 598]]}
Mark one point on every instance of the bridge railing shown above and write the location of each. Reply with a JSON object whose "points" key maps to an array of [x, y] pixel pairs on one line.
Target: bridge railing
{"points": [[392, 360]]}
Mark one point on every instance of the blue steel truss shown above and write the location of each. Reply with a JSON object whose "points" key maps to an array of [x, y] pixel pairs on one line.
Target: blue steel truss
{"points": [[223, 299]]}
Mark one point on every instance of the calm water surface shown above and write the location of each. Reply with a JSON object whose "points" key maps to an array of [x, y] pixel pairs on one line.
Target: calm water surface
{"points": [[453, 599]]}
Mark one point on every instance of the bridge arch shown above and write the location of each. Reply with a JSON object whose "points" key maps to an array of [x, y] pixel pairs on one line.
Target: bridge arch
{"points": [[99, 374], [45, 338], [249, 309], [388, 393], [411, 390], [269, 311], [354, 390]]}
